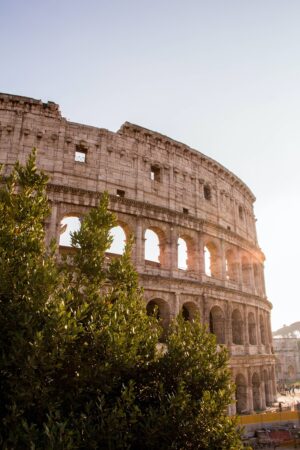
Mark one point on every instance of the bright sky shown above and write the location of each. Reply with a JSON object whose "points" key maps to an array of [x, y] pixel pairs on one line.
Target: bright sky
{"points": [[220, 76]]}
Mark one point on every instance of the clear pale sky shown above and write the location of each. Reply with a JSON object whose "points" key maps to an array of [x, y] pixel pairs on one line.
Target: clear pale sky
{"points": [[220, 76]]}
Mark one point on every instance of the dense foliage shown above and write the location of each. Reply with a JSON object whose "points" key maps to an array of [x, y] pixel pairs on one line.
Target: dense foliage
{"points": [[80, 363]]}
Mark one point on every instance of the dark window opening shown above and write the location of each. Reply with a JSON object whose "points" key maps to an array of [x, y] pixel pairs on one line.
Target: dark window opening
{"points": [[155, 173], [185, 211], [120, 193], [186, 313], [80, 155], [241, 213], [228, 227], [207, 192], [152, 309]]}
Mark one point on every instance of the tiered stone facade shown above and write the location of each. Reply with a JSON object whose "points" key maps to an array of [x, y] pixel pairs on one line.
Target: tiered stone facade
{"points": [[158, 184]]}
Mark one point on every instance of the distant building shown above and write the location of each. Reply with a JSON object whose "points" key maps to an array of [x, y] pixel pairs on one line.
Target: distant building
{"points": [[287, 352]]}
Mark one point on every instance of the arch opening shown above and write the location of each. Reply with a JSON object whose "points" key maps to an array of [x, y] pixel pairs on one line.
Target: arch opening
{"points": [[230, 266], [152, 246], [252, 329], [118, 235], [189, 311], [182, 254], [68, 225], [211, 260], [159, 309], [237, 328], [217, 324]]}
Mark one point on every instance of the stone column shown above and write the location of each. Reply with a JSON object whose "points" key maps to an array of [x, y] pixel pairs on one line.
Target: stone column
{"points": [[246, 329], [200, 254], [53, 231], [274, 388], [239, 269], [228, 327], [263, 286], [173, 250], [258, 330], [176, 308], [263, 400], [223, 261], [255, 289], [249, 391], [269, 341], [205, 311], [139, 244]]}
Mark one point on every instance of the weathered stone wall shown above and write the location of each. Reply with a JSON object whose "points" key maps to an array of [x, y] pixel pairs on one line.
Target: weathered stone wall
{"points": [[159, 184]]}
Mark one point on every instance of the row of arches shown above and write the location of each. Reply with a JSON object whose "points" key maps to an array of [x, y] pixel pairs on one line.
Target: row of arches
{"points": [[255, 394], [229, 264], [233, 331], [152, 242]]}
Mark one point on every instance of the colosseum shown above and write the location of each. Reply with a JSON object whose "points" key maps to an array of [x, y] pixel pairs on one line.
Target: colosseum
{"points": [[195, 249]]}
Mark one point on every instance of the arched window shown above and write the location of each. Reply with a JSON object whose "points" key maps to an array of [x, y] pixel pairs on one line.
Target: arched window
{"points": [[119, 240], [152, 246], [252, 329], [207, 192], [182, 254], [161, 311], [153, 309], [189, 311], [241, 394], [237, 328], [211, 260], [230, 265], [207, 261], [217, 324], [185, 313], [68, 225], [241, 212]]}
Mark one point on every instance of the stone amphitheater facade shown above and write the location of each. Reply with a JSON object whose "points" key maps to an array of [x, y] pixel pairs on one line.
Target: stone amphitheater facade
{"points": [[156, 183]]}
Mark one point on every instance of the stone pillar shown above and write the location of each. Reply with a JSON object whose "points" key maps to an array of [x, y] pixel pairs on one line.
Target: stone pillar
{"points": [[228, 327], [258, 329], [269, 341], [53, 231], [249, 391], [246, 329], [263, 400], [223, 261], [274, 388], [239, 269], [176, 308], [200, 253], [263, 287], [140, 244], [205, 311], [173, 250], [255, 289]]}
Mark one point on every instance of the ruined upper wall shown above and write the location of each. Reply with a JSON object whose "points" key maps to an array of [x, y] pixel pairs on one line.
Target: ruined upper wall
{"points": [[145, 165]]}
